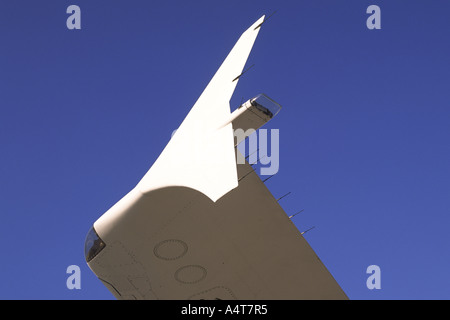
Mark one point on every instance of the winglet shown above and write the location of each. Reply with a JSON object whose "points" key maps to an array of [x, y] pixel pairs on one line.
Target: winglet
{"points": [[201, 153], [259, 25]]}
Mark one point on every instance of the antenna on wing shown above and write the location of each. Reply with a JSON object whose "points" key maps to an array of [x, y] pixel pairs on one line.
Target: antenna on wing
{"points": [[242, 73], [268, 178], [252, 164], [284, 196], [257, 160], [307, 230], [265, 19], [290, 217], [246, 174]]}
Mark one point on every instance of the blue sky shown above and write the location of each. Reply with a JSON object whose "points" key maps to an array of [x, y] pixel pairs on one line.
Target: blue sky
{"points": [[364, 129]]}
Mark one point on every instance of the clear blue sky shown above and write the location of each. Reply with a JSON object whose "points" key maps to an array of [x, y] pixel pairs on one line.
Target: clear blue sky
{"points": [[364, 129]]}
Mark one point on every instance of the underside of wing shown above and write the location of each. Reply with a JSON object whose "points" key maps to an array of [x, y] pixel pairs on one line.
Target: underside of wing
{"points": [[279, 262], [175, 243]]}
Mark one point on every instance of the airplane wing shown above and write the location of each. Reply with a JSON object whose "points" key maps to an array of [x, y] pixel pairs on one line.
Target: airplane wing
{"points": [[202, 150], [208, 230]]}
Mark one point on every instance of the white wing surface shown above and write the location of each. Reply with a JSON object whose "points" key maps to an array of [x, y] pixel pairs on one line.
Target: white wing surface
{"points": [[201, 153]]}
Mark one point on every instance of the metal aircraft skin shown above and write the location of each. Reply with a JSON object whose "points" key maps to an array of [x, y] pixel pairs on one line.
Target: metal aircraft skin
{"points": [[201, 225]]}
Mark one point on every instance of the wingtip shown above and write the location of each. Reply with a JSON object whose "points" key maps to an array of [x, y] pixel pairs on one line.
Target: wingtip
{"points": [[258, 23]]}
